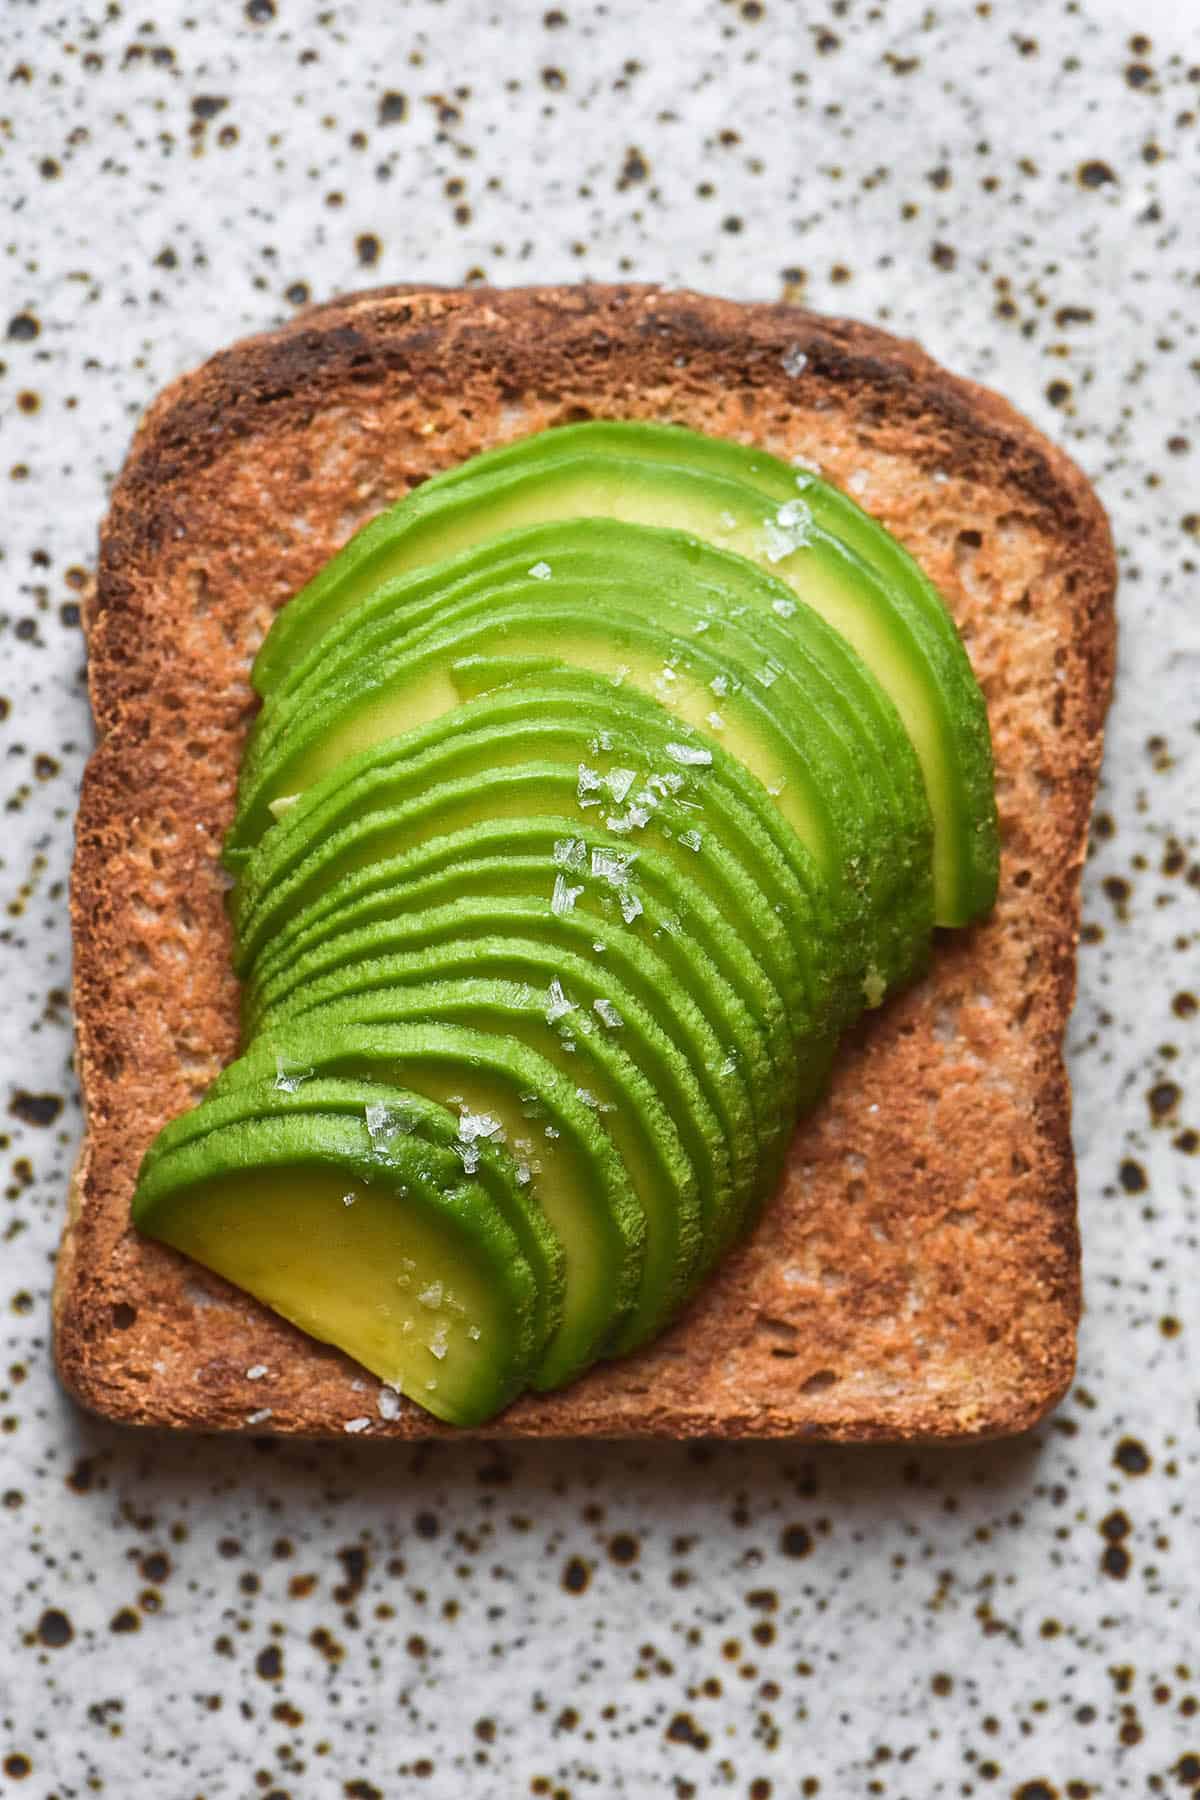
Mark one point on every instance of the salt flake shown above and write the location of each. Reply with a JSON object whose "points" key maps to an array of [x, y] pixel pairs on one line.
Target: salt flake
{"points": [[564, 897]]}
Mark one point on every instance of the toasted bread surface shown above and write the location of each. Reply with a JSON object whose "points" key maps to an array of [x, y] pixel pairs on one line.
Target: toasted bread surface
{"points": [[917, 1275]]}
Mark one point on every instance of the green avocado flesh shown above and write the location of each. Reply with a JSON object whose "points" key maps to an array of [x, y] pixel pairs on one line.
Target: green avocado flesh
{"points": [[598, 787]]}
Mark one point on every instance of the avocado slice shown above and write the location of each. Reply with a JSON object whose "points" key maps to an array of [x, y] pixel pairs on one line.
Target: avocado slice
{"points": [[900, 630], [390, 801], [524, 857], [701, 1084], [580, 1196], [388, 1039], [876, 872], [292, 1091], [741, 656], [394, 1258]]}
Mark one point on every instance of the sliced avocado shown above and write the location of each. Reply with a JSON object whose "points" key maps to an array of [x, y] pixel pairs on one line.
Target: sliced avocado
{"points": [[581, 1192], [901, 631], [585, 1051], [391, 802], [660, 959], [399, 1261], [243, 1091], [778, 717], [700, 1081], [524, 856]]}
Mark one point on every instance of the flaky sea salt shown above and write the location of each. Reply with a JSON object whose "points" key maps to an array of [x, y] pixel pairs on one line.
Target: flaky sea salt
{"points": [[570, 853], [690, 754], [794, 361], [564, 896], [789, 530], [541, 571], [356, 1425], [257, 1372], [608, 1014], [389, 1403], [290, 1075], [558, 1006]]}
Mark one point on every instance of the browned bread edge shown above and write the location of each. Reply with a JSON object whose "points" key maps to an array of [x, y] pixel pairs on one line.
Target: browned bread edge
{"points": [[916, 1277]]}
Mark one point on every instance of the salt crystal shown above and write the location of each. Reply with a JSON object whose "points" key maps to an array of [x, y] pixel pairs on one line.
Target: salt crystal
{"points": [[289, 1075], [789, 530], [389, 1403], [558, 1005], [588, 786], [431, 1296], [541, 571], [794, 361], [260, 1417], [257, 1372], [608, 1014], [690, 754], [438, 1343], [385, 1122], [473, 1331], [714, 720], [469, 1157], [631, 906], [720, 685], [859, 482], [619, 782], [785, 609], [479, 1125], [692, 839], [349, 1199], [570, 853], [564, 897], [612, 866], [769, 674], [355, 1425]]}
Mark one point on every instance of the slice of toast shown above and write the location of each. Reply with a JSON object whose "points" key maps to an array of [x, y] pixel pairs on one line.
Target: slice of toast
{"points": [[918, 1274]]}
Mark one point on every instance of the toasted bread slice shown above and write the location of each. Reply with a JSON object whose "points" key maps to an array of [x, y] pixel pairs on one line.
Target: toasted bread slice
{"points": [[918, 1274]]}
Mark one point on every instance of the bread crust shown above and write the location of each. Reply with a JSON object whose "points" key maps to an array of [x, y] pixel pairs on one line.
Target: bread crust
{"points": [[917, 1276]]}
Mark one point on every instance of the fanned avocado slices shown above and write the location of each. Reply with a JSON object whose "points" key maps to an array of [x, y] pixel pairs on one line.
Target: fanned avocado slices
{"points": [[815, 539], [598, 787]]}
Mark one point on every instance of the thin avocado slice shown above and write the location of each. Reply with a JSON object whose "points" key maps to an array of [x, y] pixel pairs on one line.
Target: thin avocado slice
{"points": [[699, 1080], [580, 1195], [778, 717], [258, 1085], [394, 1044], [659, 959], [450, 779], [401, 1263], [524, 856], [910, 645]]}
